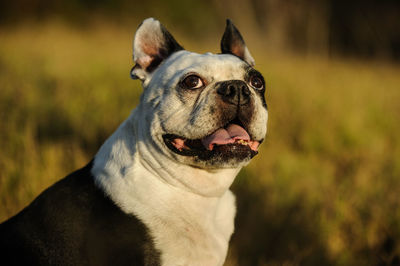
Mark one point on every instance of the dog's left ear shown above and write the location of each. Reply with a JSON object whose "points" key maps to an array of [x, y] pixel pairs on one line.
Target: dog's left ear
{"points": [[232, 43], [152, 44]]}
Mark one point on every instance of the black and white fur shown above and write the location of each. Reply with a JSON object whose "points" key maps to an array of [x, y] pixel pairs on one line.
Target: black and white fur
{"points": [[140, 202]]}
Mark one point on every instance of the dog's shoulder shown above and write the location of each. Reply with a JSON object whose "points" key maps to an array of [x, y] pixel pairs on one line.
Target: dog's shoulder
{"points": [[73, 222]]}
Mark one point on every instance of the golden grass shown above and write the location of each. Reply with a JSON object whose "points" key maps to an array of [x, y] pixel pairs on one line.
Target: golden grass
{"points": [[324, 189]]}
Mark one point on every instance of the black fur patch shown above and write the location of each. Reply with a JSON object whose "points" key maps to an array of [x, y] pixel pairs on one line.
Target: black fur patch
{"points": [[74, 223]]}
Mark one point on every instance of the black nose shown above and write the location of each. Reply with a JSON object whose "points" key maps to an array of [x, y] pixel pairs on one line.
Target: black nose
{"points": [[234, 92]]}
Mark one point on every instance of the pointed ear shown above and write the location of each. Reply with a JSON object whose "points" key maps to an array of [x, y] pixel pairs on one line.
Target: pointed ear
{"points": [[152, 44], [232, 43]]}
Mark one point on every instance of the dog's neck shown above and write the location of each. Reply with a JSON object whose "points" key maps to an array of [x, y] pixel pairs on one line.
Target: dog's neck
{"points": [[197, 203]]}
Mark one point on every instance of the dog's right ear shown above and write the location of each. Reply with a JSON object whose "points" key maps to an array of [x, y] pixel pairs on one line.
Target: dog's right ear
{"points": [[232, 43], [152, 44]]}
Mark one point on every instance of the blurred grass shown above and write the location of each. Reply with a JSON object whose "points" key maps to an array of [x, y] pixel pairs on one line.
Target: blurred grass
{"points": [[323, 191]]}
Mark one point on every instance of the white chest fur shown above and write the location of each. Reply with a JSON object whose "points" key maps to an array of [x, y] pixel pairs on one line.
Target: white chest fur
{"points": [[187, 229]]}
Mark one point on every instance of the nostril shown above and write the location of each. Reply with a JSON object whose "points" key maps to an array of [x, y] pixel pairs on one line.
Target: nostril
{"points": [[245, 90], [222, 91], [230, 90]]}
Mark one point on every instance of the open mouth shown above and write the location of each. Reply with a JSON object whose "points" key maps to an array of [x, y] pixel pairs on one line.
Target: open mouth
{"points": [[230, 140]]}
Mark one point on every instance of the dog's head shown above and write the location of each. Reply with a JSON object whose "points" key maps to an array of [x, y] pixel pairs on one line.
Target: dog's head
{"points": [[204, 110]]}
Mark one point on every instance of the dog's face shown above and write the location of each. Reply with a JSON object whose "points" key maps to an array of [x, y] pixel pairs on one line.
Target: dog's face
{"points": [[204, 110]]}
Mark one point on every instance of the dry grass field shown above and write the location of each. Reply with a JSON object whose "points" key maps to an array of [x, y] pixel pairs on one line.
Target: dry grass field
{"points": [[324, 190]]}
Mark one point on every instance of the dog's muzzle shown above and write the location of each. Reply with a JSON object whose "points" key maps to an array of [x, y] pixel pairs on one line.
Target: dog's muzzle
{"points": [[231, 140]]}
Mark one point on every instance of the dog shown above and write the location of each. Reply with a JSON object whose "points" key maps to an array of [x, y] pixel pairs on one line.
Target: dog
{"points": [[157, 192]]}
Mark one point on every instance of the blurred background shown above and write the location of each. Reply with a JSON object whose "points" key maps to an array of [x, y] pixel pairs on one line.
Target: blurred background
{"points": [[325, 188]]}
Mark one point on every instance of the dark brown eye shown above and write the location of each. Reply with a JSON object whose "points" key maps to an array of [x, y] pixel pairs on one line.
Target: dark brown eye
{"points": [[256, 82], [192, 82]]}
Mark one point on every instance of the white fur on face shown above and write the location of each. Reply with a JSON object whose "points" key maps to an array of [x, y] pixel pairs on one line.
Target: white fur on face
{"points": [[193, 114]]}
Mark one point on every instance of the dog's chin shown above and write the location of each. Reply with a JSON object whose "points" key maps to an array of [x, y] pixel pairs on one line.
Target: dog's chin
{"points": [[194, 152]]}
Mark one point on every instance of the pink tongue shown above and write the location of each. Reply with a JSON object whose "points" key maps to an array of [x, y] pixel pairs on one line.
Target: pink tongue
{"points": [[225, 136]]}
